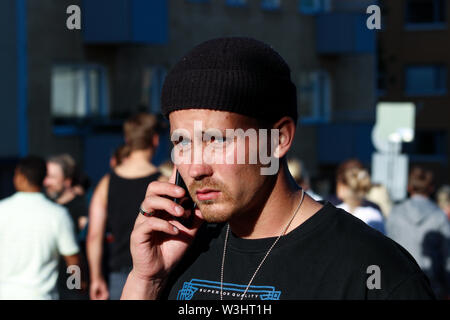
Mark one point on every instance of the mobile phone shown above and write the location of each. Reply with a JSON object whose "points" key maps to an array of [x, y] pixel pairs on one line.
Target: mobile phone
{"points": [[186, 202]]}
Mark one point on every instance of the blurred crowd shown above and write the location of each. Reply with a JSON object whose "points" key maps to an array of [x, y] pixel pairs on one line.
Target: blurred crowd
{"points": [[55, 220]]}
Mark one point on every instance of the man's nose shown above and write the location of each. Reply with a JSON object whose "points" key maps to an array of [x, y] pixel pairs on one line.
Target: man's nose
{"points": [[46, 182], [200, 171]]}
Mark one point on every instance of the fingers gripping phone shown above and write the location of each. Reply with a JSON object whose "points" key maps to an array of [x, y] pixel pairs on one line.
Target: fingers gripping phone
{"points": [[186, 202]]}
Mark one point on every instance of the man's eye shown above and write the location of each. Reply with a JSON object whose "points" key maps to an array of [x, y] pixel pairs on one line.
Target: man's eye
{"points": [[185, 142], [217, 140], [182, 141]]}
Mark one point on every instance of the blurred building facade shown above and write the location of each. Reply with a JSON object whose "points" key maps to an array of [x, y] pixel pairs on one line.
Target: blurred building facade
{"points": [[414, 59], [70, 90]]}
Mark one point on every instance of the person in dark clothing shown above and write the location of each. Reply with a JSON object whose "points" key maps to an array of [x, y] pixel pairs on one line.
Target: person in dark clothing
{"points": [[60, 184], [62, 176], [255, 234], [113, 206]]}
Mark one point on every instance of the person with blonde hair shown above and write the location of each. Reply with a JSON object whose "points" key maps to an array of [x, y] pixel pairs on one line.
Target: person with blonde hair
{"points": [[114, 204], [353, 184]]}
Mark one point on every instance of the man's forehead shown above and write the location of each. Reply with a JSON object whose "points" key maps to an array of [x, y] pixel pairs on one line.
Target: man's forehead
{"points": [[54, 167]]}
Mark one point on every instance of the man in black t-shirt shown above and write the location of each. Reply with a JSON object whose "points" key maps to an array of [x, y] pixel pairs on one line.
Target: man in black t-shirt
{"points": [[332, 255], [254, 234], [59, 186]]}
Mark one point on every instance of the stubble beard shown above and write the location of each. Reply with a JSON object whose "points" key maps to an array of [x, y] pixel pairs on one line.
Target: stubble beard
{"points": [[217, 210], [54, 195], [212, 214]]}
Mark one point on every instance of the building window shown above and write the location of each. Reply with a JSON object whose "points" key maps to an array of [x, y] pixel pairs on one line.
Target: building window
{"points": [[425, 14], [270, 5], [314, 97], [312, 7], [236, 3], [78, 91], [153, 79], [426, 80]]}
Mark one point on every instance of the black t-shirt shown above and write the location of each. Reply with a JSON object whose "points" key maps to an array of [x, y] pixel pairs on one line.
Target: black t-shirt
{"points": [[332, 255], [77, 208]]}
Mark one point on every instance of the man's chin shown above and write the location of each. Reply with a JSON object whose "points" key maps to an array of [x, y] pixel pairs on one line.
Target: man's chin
{"points": [[215, 219], [52, 195], [214, 215]]}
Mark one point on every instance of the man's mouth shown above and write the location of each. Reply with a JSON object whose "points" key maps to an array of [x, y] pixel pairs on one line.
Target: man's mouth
{"points": [[207, 194]]}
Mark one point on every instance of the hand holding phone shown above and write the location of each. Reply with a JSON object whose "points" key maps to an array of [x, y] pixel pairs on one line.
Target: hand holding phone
{"points": [[158, 242], [186, 202]]}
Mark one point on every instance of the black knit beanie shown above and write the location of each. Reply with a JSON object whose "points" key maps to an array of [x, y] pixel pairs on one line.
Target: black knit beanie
{"points": [[240, 75]]}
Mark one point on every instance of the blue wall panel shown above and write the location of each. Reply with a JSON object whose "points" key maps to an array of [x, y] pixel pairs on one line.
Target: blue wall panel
{"points": [[105, 20], [150, 21], [339, 142], [125, 21], [340, 33], [365, 39], [9, 116]]}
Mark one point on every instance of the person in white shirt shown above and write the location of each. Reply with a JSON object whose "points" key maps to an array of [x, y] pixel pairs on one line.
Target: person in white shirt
{"points": [[352, 186], [34, 232]]}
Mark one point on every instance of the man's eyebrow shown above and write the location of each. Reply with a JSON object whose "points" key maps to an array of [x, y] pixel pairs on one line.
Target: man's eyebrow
{"points": [[222, 131]]}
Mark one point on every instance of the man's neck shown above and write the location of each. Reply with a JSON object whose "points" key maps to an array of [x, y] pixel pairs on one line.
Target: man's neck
{"points": [[277, 211], [30, 189], [141, 155], [67, 196]]}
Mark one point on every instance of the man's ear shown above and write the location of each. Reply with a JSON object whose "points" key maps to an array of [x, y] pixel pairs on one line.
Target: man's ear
{"points": [[18, 179], [286, 132]]}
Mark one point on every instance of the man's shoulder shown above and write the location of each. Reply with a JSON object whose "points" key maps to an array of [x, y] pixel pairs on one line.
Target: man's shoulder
{"points": [[404, 208], [50, 208], [38, 201], [400, 207], [5, 201], [54, 206], [355, 231], [365, 243]]}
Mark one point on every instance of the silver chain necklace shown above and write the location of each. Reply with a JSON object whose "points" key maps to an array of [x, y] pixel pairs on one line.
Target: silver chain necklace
{"points": [[262, 261]]}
